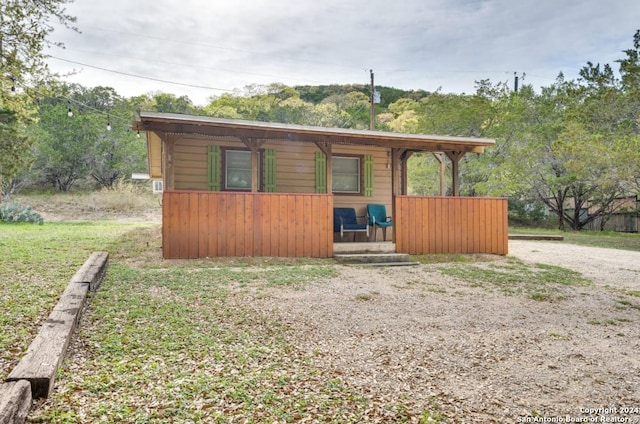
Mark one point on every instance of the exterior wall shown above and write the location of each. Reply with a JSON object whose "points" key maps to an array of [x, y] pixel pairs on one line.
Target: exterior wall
{"points": [[295, 169], [451, 225], [208, 224]]}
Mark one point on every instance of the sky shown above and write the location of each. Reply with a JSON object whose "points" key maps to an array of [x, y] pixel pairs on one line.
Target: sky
{"points": [[205, 48]]}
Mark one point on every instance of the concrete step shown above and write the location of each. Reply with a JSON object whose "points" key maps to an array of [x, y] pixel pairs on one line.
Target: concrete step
{"points": [[369, 247], [373, 258], [386, 264]]}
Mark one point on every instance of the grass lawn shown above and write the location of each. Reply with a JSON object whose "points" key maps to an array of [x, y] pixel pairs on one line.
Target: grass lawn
{"points": [[178, 341], [36, 263]]}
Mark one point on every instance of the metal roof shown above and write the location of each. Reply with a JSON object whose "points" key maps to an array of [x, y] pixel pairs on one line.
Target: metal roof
{"points": [[204, 125]]}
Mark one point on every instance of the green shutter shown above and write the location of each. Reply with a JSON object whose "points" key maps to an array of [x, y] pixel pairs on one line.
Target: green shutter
{"points": [[321, 173], [368, 176], [269, 170], [214, 165]]}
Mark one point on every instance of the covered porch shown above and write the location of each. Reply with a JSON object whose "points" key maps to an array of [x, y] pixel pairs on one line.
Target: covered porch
{"points": [[285, 207]]}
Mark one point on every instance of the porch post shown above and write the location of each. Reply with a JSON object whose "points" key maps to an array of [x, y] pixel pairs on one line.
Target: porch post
{"points": [[440, 158], [405, 176], [455, 157], [254, 145]]}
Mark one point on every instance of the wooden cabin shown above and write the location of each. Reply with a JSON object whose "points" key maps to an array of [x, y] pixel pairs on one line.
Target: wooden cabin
{"points": [[244, 188]]}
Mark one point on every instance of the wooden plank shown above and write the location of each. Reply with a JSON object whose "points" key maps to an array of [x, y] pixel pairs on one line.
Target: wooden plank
{"points": [[291, 216], [249, 224], [299, 219], [315, 225], [222, 224], [412, 224], [265, 225], [214, 223], [399, 223], [284, 225], [40, 363], [482, 228], [238, 219], [15, 402], [274, 224], [193, 225], [92, 271], [203, 225], [325, 219], [307, 226]]}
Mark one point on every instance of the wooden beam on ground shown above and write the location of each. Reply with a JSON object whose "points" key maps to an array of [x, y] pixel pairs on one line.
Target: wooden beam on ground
{"points": [[39, 365], [92, 270], [15, 402]]}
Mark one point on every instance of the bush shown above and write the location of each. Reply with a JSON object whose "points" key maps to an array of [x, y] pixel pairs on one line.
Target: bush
{"points": [[13, 212]]}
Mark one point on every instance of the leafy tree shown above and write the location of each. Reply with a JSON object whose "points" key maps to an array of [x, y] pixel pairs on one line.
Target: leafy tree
{"points": [[96, 141], [25, 26]]}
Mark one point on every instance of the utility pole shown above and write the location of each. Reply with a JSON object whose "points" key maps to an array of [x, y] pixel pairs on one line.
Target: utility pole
{"points": [[373, 111]]}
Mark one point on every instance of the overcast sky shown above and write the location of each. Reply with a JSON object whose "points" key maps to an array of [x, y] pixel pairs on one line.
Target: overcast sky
{"points": [[410, 44]]}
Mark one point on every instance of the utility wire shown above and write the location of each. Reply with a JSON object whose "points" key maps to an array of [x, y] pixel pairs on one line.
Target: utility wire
{"points": [[140, 76]]}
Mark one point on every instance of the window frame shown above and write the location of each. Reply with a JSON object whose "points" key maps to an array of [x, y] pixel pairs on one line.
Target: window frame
{"points": [[360, 159], [223, 166]]}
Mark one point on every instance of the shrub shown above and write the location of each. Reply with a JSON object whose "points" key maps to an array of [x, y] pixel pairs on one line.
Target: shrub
{"points": [[13, 212]]}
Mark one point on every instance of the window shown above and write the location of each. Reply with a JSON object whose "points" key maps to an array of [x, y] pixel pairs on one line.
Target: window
{"points": [[346, 174], [237, 170]]}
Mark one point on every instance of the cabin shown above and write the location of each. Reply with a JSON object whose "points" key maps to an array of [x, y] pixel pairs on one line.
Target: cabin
{"points": [[244, 188]]}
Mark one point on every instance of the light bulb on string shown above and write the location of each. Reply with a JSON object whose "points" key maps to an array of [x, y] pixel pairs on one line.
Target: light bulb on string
{"points": [[70, 113], [138, 134], [108, 126]]}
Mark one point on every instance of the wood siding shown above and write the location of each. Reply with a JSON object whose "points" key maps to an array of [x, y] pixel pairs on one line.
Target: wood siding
{"points": [[451, 225], [209, 224]]}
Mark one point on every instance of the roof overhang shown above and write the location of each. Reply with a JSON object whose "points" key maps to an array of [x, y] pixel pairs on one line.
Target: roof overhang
{"points": [[216, 127]]}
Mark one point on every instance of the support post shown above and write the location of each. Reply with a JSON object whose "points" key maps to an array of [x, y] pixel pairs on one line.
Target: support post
{"points": [[440, 158], [255, 146], [455, 157]]}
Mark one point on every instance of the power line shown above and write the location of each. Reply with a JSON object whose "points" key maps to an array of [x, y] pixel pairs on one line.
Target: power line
{"points": [[140, 76]]}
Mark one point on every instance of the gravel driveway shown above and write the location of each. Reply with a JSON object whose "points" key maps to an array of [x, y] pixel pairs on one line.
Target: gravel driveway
{"points": [[612, 267], [470, 353]]}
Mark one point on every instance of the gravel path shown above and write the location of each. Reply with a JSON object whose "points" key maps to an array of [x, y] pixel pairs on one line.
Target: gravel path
{"points": [[469, 352], [606, 267]]}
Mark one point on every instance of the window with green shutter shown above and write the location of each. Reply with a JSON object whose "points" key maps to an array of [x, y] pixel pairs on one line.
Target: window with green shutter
{"points": [[269, 170], [214, 174], [321, 173], [368, 176]]}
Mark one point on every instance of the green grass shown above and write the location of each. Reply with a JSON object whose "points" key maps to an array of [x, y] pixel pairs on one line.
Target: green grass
{"points": [[36, 263], [515, 277], [182, 344], [608, 239]]}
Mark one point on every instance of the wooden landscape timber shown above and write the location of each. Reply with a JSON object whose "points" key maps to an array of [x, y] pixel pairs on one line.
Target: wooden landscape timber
{"points": [[39, 366], [15, 402]]}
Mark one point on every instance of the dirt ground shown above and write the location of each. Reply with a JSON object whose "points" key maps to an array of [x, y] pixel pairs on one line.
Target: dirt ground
{"points": [[434, 343], [474, 355]]}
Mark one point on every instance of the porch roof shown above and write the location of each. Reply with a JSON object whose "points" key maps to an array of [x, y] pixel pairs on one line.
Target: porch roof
{"points": [[208, 126]]}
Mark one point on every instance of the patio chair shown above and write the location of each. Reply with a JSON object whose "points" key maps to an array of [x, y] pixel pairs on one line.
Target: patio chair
{"points": [[377, 217], [345, 221]]}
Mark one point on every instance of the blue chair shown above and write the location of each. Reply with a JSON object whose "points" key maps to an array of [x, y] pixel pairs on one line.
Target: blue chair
{"points": [[344, 221], [377, 216]]}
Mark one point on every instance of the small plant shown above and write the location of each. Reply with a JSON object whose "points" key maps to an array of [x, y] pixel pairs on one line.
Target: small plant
{"points": [[13, 212]]}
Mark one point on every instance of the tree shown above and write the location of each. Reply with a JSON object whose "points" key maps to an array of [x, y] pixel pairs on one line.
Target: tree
{"points": [[25, 26]]}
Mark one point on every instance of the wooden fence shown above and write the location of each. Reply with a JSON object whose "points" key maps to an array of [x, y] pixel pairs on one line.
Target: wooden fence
{"points": [[451, 225], [198, 224]]}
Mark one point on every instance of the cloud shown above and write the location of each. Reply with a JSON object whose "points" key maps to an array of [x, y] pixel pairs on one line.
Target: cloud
{"points": [[419, 44]]}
